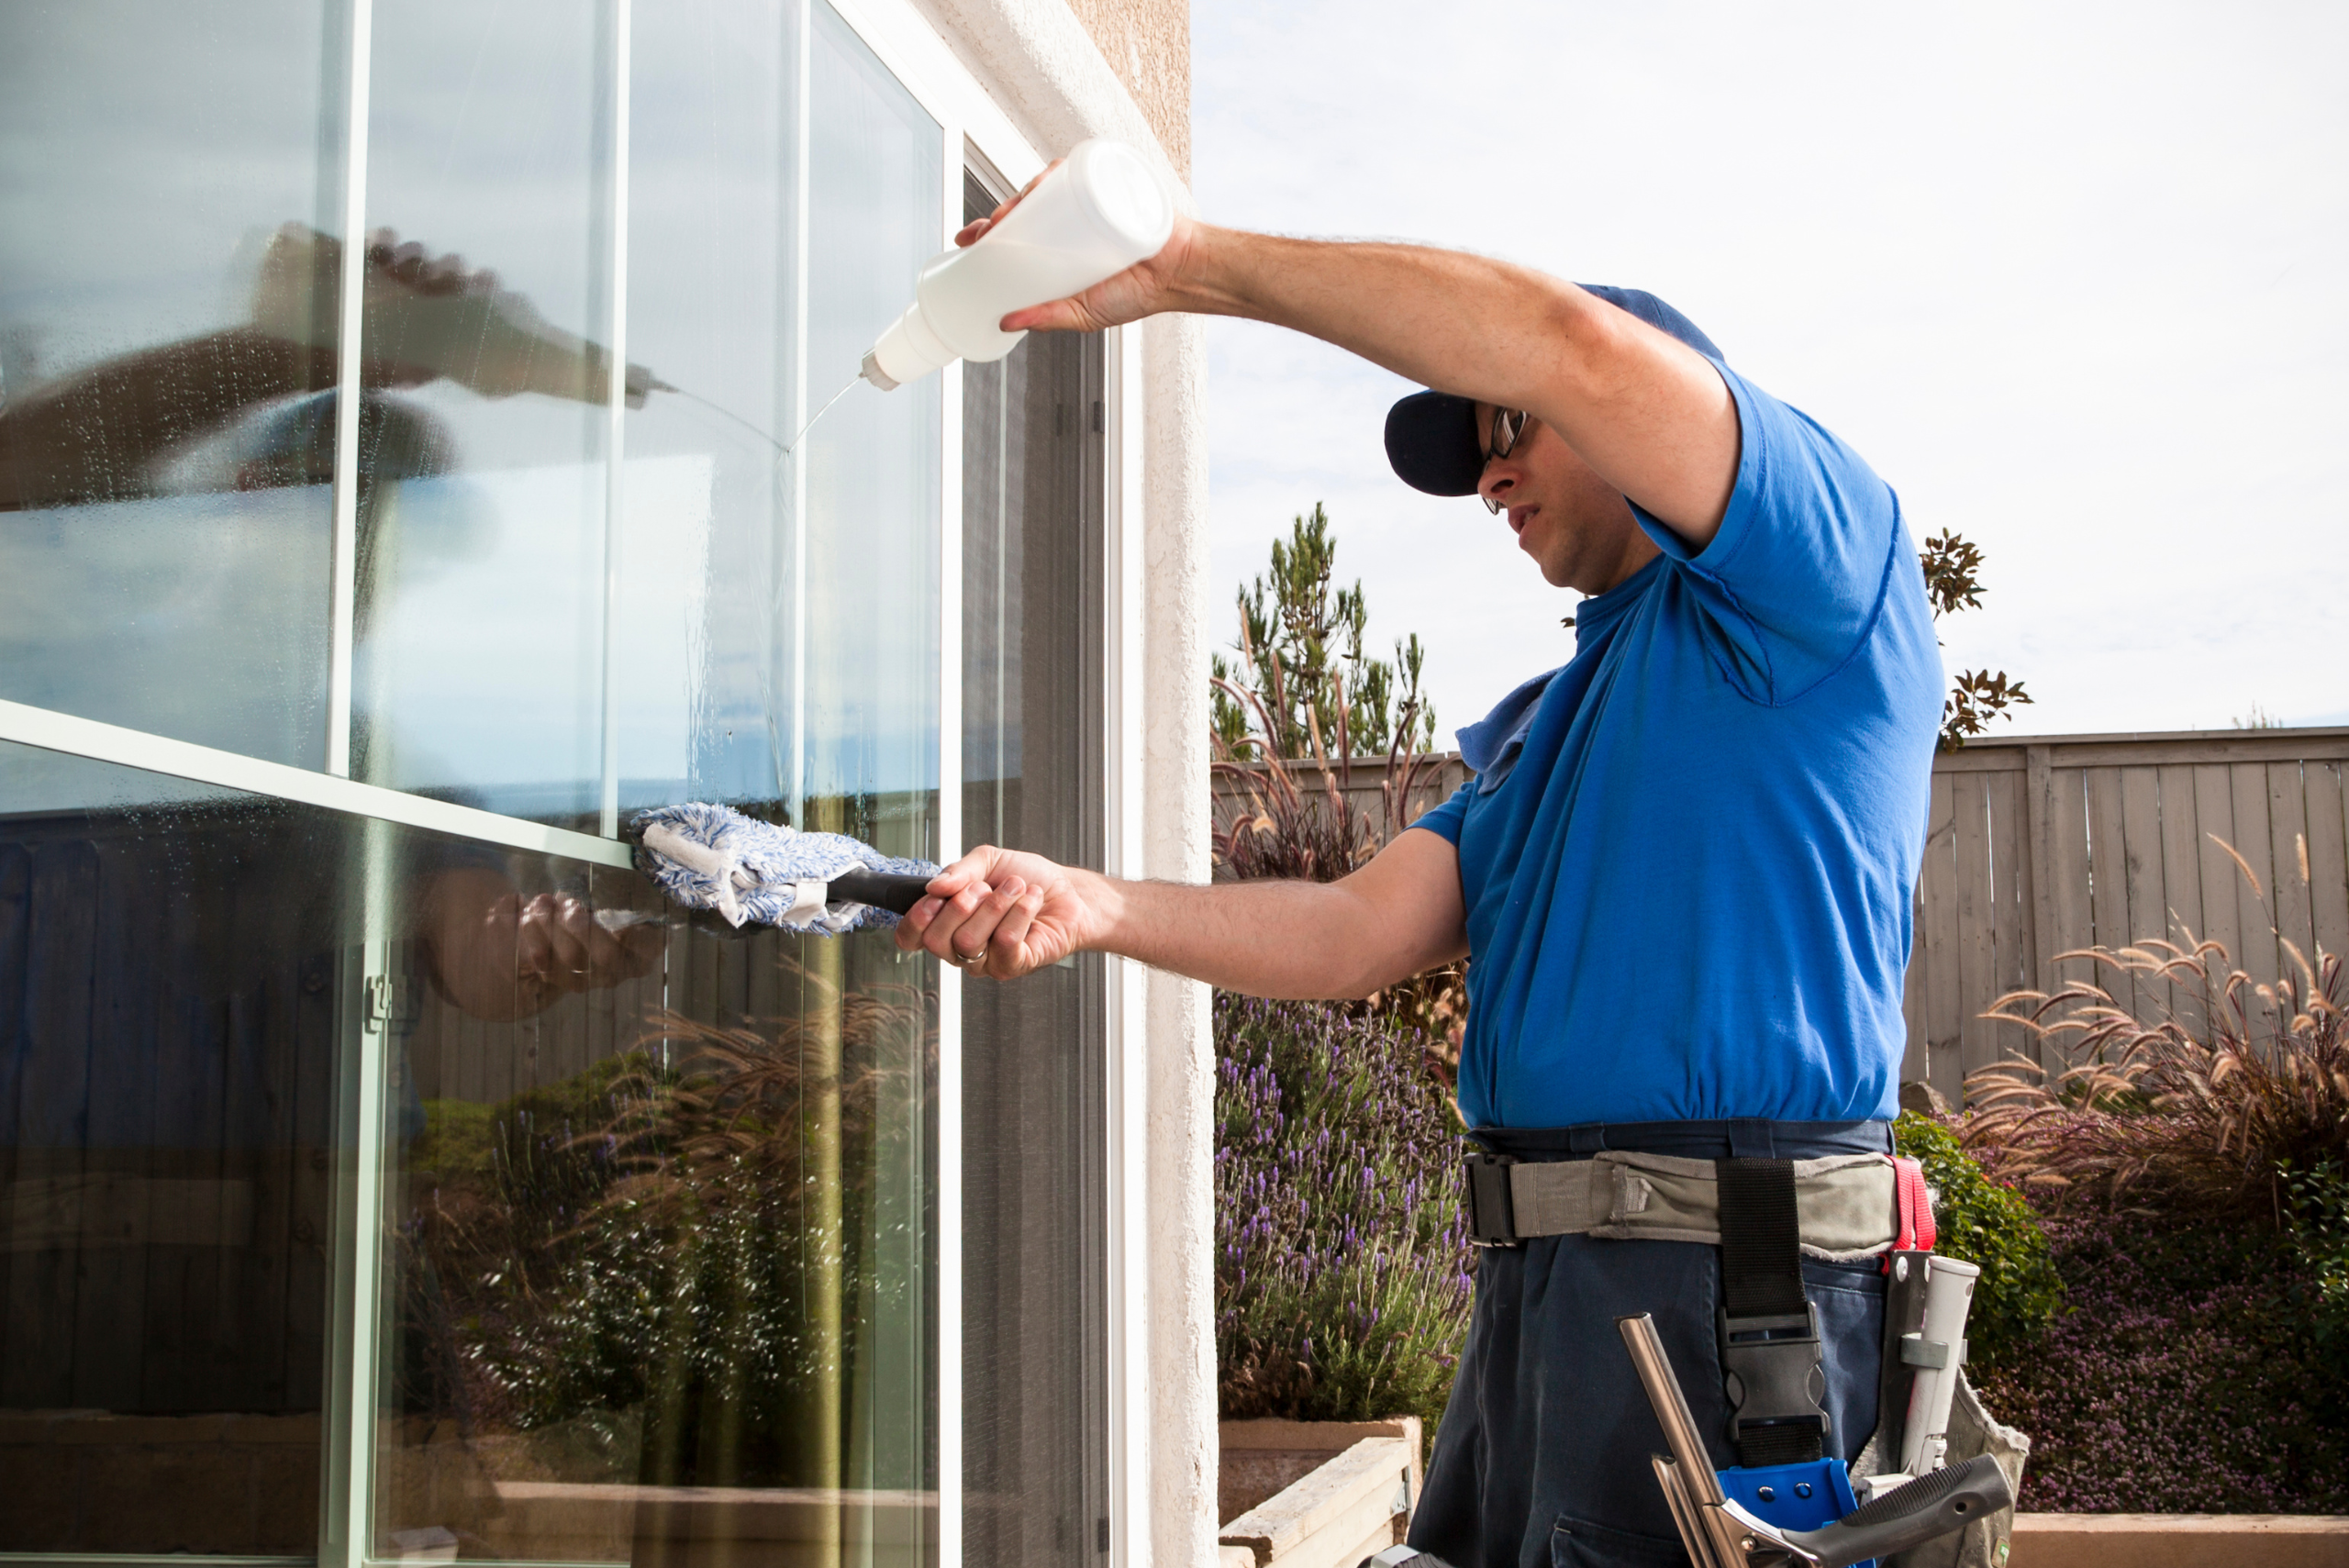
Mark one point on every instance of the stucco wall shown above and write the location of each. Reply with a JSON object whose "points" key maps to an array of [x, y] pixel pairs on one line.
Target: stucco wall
{"points": [[1148, 44]]}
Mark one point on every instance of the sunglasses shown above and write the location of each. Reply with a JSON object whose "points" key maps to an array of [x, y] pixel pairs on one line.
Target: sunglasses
{"points": [[1509, 428]]}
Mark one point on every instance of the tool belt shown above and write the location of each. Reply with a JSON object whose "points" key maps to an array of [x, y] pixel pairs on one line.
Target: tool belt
{"points": [[1844, 1205], [1765, 1214]]}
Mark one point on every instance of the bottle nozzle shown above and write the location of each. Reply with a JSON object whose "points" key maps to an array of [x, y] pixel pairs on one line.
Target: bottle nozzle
{"points": [[870, 370]]}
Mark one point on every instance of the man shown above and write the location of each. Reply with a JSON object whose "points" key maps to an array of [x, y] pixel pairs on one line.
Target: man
{"points": [[1682, 872]]}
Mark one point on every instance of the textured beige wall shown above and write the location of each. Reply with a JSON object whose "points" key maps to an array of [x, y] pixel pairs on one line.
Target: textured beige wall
{"points": [[1148, 44]]}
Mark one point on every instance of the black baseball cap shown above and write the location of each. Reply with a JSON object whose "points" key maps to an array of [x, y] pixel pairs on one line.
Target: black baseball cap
{"points": [[1432, 436]]}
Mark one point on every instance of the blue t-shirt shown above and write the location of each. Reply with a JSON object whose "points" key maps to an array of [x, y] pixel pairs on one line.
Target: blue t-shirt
{"points": [[1688, 856]]}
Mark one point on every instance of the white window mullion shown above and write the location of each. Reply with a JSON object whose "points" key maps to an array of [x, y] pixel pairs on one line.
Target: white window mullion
{"points": [[348, 1431]]}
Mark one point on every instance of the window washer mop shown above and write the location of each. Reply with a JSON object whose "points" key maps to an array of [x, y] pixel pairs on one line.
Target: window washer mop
{"points": [[1682, 874], [714, 858]]}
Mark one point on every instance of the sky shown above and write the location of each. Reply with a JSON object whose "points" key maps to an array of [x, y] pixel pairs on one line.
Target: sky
{"points": [[2075, 279]]}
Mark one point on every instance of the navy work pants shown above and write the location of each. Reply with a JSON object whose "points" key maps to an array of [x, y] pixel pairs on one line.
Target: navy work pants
{"points": [[1541, 1460]]}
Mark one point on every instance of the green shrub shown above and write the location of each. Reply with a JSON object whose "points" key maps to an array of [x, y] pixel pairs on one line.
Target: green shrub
{"points": [[2315, 1203], [1993, 1228]]}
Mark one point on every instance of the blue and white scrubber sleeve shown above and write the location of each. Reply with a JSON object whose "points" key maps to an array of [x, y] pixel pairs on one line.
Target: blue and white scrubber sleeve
{"points": [[713, 857]]}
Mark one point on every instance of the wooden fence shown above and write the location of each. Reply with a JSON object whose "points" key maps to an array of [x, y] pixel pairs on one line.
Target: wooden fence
{"points": [[2042, 845], [2039, 846]]}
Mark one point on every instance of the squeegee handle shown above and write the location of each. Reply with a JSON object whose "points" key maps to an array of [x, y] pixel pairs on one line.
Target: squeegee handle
{"points": [[881, 889], [1933, 1504]]}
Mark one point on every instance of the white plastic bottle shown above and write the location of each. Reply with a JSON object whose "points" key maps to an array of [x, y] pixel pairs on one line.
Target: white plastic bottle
{"points": [[1098, 214]]}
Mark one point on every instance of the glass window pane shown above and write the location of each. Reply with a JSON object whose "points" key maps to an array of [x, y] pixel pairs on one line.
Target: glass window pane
{"points": [[1035, 1330], [175, 974], [653, 1243], [654, 1234], [707, 609], [168, 174], [478, 673], [867, 597]]}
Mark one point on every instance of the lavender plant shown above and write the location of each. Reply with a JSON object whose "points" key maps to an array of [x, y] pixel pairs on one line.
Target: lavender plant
{"points": [[1343, 1266]]}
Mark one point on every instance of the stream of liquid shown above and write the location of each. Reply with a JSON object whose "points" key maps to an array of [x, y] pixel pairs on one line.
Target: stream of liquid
{"points": [[783, 450]]}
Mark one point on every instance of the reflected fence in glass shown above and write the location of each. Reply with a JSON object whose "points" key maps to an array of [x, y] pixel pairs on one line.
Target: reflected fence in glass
{"points": [[173, 990], [657, 1246]]}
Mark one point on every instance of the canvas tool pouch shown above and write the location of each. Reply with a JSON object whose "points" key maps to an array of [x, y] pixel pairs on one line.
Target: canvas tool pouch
{"points": [[1972, 1430], [1844, 1203]]}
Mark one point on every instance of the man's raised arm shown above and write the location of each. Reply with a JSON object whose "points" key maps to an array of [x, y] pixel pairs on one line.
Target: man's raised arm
{"points": [[1649, 414], [1398, 915]]}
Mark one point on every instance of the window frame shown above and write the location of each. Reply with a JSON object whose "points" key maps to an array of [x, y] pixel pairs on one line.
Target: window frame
{"points": [[976, 135]]}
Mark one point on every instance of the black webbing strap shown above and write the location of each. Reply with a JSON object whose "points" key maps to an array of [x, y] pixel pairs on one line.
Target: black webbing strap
{"points": [[1769, 1337]]}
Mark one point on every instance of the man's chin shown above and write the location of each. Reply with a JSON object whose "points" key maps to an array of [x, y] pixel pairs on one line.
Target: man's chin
{"points": [[1553, 572]]}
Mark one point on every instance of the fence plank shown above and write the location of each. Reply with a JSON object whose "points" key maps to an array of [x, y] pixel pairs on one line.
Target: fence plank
{"points": [[2254, 908], [2328, 857], [1943, 1004], [2038, 863], [1978, 955], [2214, 823], [2181, 866], [2287, 836], [2145, 891], [2010, 892], [2109, 879], [2074, 924]]}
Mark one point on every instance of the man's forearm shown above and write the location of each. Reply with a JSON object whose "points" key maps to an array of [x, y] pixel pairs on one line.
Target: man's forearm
{"points": [[1265, 939], [1467, 324]]}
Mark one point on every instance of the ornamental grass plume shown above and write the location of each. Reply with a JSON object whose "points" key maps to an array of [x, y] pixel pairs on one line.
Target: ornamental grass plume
{"points": [[1343, 1283], [2198, 1110]]}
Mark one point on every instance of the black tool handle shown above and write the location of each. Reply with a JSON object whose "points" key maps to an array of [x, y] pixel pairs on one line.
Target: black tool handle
{"points": [[1932, 1504], [881, 889]]}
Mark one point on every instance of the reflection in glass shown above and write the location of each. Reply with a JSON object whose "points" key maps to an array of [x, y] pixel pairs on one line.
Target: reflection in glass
{"points": [[479, 662], [190, 994], [1034, 1358], [663, 1280], [646, 1251], [166, 334], [867, 597], [705, 611]]}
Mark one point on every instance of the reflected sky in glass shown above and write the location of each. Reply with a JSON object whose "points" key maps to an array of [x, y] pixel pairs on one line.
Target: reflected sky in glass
{"points": [[164, 514]]}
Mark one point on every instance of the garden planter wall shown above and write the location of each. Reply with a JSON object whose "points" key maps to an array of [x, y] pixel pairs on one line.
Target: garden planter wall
{"points": [[2180, 1540], [1315, 1493]]}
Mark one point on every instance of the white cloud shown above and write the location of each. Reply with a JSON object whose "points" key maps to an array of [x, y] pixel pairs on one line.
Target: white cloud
{"points": [[2071, 278]]}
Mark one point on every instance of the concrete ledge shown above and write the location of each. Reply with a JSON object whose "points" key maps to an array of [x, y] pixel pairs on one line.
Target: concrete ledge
{"points": [[1258, 1459], [1355, 1505], [2180, 1540]]}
